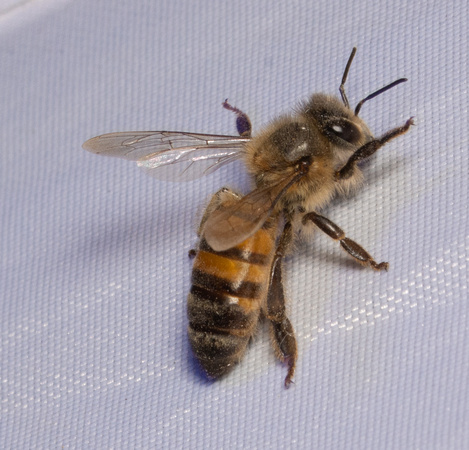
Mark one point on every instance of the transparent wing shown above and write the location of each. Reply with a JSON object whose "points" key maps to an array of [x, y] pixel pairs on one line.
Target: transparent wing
{"points": [[229, 226], [170, 155]]}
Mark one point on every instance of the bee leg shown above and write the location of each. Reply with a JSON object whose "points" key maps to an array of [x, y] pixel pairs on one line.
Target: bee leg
{"points": [[283, 336], [369, 148], [243, 124], [351, 247]]}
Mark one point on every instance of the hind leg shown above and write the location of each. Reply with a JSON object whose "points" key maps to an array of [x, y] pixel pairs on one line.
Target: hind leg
{"points": [[283, 336]]}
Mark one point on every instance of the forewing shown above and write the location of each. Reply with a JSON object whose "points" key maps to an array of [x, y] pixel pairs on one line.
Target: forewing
{"points": [[170, 155], [231, 225]]}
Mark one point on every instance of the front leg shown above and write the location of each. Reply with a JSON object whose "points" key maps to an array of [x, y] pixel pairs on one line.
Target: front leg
{"points": [[369, 148], [283, 336], [351, 247]]}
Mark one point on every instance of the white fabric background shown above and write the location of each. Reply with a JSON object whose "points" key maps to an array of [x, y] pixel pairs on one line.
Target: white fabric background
{"points": [[94, 269]]}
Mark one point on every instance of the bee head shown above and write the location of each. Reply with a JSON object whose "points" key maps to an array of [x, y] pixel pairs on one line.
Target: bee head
{"points": [[336, 122]]}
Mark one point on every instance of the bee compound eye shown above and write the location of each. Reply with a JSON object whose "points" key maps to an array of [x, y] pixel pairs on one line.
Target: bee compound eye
{"points": [[345, 130]]}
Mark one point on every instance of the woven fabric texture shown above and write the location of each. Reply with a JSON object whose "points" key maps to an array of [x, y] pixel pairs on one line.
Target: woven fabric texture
{"points": [[94, 267]]}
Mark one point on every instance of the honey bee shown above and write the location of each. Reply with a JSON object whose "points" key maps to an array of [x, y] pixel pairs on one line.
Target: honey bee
{"points": [[298, 164]]}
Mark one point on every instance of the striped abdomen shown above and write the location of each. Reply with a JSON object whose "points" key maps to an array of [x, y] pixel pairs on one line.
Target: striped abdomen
{"points": [[227, 293]]}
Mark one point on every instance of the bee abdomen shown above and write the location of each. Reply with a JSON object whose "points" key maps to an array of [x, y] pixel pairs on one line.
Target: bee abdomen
{"points": [[211, 310], [222, 318], [217, 353], [224, 304]]}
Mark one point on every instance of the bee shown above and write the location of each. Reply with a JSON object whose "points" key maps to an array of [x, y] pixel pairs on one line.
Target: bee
{"points": [[297, 164]]}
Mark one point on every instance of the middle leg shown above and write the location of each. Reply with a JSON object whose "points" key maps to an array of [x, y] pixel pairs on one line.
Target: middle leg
{"points": [[243, 124], [351, 247]]}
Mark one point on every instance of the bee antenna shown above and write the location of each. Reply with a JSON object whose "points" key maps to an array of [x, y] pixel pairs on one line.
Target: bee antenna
{"points": [[379, 91], [344, 77]]}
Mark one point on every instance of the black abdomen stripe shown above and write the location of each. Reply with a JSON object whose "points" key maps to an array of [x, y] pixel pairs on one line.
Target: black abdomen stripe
{"points": [[217, 312], [244, 289]]}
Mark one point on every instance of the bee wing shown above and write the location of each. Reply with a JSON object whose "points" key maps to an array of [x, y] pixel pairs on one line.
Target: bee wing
{"points": [[170, 155], [229, 226]]}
